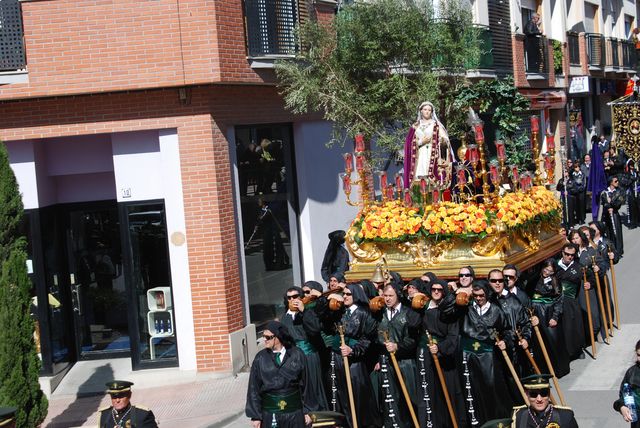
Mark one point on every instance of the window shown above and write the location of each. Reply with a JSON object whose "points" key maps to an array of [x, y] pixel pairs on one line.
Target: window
{"points": [[628, 26], [270, 27], [12, 54]]}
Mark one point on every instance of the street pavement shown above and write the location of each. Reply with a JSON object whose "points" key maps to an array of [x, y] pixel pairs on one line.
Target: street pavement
{"points": [[200, 400]]}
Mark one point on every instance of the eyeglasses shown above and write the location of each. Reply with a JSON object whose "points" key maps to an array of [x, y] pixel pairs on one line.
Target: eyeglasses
{"points": [[267, 337], [293, 296], [496, 280], [464, 275], [479, 296], [347, 294], [533, 393], [569, 254], [510, 277]]}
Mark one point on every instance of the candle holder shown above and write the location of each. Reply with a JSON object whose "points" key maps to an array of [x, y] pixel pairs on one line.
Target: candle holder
{"points": [[515, 177], [359, 143], [408, 201], [549, 166], [423, 188], [382, 182], [502, 156], [478, 129], [364, 173], [535, 130]]}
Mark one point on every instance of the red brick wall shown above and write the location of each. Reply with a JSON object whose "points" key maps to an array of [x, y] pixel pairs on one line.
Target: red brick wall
{"points": [[92, 46], [519, 67], [206, 176]]}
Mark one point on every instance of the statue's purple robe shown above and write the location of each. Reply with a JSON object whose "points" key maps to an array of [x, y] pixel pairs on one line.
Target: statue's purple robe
{"points": [[409, 153]]}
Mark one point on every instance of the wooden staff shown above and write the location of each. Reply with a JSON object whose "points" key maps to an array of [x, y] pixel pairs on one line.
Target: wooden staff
{"points": [[603, 314], [615, 290], [402, 384], [347, 372], [547, 359], [589, 316], [445, 391], [512, 369], [536, 369], [608, 302]]}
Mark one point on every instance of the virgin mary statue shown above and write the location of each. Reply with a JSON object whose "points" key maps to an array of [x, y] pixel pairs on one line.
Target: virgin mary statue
{"points": [[427, 151]]}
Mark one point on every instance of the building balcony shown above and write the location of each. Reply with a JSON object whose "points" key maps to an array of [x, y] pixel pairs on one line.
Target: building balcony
{"points": [[12, 52], [536, 55], [573, 47], [629, 54], [270, 27], [596, 50], [612, 54]]}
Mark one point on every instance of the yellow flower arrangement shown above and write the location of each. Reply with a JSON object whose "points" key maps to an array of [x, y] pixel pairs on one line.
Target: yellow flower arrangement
{"points": [[391, 220], [394, 221]]}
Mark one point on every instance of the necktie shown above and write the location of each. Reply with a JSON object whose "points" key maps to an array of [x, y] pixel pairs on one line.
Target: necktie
{"points": [[278, 361], [392, 313]]}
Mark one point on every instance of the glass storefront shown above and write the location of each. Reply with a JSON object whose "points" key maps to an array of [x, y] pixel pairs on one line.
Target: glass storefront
{"points": [[268, 211], [150, 283]]}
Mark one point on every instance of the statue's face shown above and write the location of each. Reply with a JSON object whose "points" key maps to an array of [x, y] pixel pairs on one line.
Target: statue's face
{"points": [[426, 111]]}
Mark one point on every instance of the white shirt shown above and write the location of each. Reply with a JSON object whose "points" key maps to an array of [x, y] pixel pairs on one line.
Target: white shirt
{"points": [[281, 352], [396, 309], [482, 309], [293, 314]]}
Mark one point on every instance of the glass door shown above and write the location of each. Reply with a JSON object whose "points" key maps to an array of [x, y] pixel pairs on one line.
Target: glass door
{"points": [[96, 281]]}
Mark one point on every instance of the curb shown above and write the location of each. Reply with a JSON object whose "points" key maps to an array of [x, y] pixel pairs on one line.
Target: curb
{"points": [[226, 420]]}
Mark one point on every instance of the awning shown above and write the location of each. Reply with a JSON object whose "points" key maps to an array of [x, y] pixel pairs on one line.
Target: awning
{"points": [[545, 98]]}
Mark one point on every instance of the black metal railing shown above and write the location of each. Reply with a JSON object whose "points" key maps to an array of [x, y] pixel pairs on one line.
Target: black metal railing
{"points": [[615, 54], [486, 46], [12, 53], [573, 44], [629, 54], [596, 49], [270, 27], [536, 48]]}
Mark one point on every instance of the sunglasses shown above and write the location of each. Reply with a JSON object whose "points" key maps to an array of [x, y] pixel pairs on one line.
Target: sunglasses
{"points": [[464, 275], [496, 280], [479, 296], [267, 337], [569, 254], [293, 296], [121, 395], [510, 277], [533, 393], [307, 291], [347, 294], [439, 290]]}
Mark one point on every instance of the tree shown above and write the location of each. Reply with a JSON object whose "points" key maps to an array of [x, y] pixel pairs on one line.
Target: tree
{"points": [[371, 67], [19, 363]]}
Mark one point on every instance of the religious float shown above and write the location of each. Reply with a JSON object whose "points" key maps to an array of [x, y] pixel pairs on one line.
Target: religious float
{"points": [[444, 215]]}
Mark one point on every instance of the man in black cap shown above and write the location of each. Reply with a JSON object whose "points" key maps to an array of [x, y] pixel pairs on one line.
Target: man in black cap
{"points": [[275, 395], [122, 413], [540, 412]]}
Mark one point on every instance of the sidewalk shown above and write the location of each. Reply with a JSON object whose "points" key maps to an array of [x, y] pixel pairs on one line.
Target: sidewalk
{"points": [[178, 398]]}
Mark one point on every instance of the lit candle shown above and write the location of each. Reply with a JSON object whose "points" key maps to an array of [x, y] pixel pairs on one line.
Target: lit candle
{"points": [[500, 150], [399, 181], [514, 173], [346, 183], [547, 162], [359, 143], [535, 124], [493, 173], [423, 184], [472, 150], [477, 127], [407, 198], [383, 180], [348, 162], [551, 143], [462, 179], [359, 162], [436, 196]]}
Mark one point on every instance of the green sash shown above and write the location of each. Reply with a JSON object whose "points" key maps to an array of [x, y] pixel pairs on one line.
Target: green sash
{"points": [[539, 298], [282, 403], [569, 289], [306, 347]]}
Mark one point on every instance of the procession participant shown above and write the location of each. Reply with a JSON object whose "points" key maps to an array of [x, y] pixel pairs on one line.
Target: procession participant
{"points": [[487, 395], [336, 257], [547, 307], [630, 180], [337, 281], [461, 292], [359, 331], [566, 188], [519, 322], [578, 192], [511, 276], [602, 261], [466, 276], [584, 256], [569, 275], [631, 378], [611, 200], [275, 394], [122, 413], [398, 334], [604, 245], [304, 326], [540, 412], [445, 342]]}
